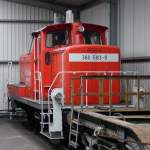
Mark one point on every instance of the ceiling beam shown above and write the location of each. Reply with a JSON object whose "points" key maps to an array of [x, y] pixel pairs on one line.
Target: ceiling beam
{"points": [[57, 3], [91, 4], [44, 4]]}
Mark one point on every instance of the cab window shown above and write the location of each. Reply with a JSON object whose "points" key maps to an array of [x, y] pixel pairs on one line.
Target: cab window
{"points": [[92, 37], [55, 38]]}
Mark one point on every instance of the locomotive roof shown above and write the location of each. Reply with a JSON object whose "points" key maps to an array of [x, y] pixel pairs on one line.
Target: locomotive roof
{"points": [[68, 25]]}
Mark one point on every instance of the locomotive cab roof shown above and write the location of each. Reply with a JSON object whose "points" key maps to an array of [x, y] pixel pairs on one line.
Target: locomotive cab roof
{"points": [[53, 27]]}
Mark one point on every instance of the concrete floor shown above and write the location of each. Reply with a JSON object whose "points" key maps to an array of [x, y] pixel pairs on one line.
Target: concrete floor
{"points": [[16, 135]]}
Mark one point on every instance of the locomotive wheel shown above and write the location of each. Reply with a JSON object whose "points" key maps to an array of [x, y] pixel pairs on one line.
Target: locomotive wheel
{"points": [[133, 146], [86, 144]]}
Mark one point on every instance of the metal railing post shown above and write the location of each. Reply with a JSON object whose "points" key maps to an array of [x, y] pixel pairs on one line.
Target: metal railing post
{"points": [[138, 94], [110, 96], [101, 90], [72, 93], [82, 93], [127, 94], [86, 92]]}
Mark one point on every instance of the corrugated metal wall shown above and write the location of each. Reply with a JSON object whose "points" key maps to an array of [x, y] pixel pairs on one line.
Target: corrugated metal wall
{"points": [[98, 14], [134, 35], [17, 21], [134, 28], [142, 69]]}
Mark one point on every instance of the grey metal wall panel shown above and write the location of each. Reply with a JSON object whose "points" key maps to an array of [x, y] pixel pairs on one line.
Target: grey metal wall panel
{"points": [[141, 69], [15, 37], [12, 10], [97, 15], [3, 83], [126, 28], [134, 31], [134, 35]]}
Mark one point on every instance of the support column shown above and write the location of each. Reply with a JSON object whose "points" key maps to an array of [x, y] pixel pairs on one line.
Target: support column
{"points": [[113, 21]]}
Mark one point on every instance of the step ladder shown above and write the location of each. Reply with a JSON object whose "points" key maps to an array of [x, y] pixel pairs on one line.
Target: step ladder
{"points": [[54, 120], [38, 86], [46, 120], [74, 129], [44, 123]]}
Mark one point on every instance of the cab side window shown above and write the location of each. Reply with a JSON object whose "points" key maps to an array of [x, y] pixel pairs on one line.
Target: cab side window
{"points": [[55, 38], [92, 37], [49, 40]]}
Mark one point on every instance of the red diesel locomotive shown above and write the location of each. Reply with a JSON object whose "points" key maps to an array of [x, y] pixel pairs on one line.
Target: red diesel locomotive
{"points": [[52, 72], [66, 51]]}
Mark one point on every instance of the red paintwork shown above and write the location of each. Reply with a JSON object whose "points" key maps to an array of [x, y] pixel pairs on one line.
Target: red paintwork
{"points": [[50, 71], [17, 90], [91, 66]]}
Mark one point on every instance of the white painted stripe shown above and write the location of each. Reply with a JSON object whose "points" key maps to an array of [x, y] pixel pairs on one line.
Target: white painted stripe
{"points": [[93, 57]]}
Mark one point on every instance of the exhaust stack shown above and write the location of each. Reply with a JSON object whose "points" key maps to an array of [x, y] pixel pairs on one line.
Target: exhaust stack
{"points": [[69, 16]]}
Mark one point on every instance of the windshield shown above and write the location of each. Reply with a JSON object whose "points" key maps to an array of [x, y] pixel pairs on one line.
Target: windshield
{"points": [[54, 38], [92, 37]]}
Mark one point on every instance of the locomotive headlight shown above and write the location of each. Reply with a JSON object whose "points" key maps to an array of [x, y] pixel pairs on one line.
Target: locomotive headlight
{"points": [[81, 29]]}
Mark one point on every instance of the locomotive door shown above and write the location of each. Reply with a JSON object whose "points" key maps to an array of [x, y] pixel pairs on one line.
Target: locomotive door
{"points": [[37, 70]]}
